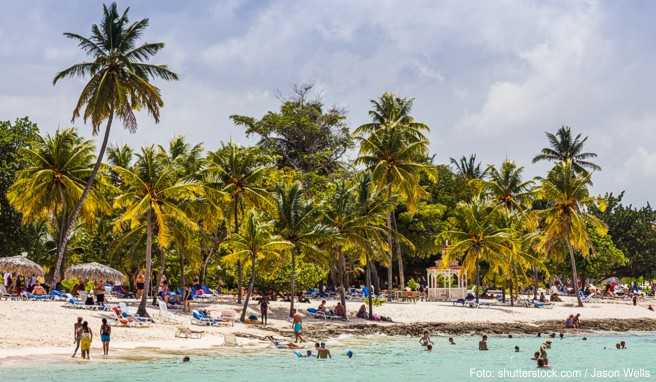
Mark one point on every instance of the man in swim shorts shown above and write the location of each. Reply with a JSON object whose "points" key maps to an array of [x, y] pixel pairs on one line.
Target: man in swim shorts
{"points": [[297, 325]]}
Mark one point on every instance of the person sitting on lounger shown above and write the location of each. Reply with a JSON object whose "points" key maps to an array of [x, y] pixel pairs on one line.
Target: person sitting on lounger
{"points": [[339, 310], [38, 290], [362, 313], [322, 306]]}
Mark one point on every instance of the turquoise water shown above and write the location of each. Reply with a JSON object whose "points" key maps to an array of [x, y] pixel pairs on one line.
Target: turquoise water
{"points": [[382, 360]]}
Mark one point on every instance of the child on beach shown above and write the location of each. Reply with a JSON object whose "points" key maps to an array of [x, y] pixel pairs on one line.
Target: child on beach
{"points": [[85, 340], [105, 332]]}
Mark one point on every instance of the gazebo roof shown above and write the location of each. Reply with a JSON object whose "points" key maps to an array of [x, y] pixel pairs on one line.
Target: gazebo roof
{"points": [[453, 266]]}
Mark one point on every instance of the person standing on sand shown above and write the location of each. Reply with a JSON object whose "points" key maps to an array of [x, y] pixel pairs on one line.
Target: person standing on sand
{"points": [[140, 280], [186, 299], [85, 340], [297, 325], [105, 332], [264, 309], [77, 332]]}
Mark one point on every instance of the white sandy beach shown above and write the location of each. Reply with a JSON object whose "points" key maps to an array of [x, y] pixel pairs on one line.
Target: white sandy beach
{"points": [[32, 329]]}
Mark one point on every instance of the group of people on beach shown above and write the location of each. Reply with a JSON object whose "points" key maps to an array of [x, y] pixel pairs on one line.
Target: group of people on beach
{"points": [[83, 337]]}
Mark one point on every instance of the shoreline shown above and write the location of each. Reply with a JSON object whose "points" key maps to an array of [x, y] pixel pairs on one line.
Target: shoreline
{"points": [[248, 343]]}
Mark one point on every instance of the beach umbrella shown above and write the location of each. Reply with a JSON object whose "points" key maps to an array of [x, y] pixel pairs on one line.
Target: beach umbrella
{"points": [[94, 271], [21, 265]]}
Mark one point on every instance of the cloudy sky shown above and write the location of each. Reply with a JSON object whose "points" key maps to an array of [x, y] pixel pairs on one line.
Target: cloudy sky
{"points": [[489, 77]]}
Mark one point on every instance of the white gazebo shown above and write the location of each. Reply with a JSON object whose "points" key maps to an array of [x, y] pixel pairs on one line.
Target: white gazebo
{"points": [[444, 275]]}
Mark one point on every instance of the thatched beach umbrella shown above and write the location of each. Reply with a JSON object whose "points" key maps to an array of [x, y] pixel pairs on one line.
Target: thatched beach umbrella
{"points": [[94, 271], [21, 265]]}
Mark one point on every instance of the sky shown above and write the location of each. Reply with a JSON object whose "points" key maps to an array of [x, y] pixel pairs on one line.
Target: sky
{"points": [[488, 77]]}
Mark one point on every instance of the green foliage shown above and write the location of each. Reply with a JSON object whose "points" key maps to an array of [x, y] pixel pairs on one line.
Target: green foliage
{"points": [[276, 279], [302, 135], [412, 284], [14, 236]]}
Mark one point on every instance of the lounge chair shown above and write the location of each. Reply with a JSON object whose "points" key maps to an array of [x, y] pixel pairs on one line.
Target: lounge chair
{"points": [[200, 318], [316, 313], [164, 314]]}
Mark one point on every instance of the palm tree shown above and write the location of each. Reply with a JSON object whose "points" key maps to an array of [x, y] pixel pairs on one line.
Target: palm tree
{"points": [[565, 219], [467, 168], [563, 147], [256, 240], [119, 86], [297, 224], [356, 217], [506, 185], [474, 237], [53, 177], [394, 150], [238, 172], [151, 195]]}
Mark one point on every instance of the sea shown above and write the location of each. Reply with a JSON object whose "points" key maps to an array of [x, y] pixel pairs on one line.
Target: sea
{"points": [[380, 359]]}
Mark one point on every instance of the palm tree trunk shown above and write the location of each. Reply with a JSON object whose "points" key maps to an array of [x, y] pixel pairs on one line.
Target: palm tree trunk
{"points": [[478, 280], [535, 283], [182, 274], [399, 254], [369, 297], [149, 265], [160, 275], [250, 288], [512, 300], [342, 280], [293, 283], [68, 228], [239, 269], [390, 268], [574, 275]]}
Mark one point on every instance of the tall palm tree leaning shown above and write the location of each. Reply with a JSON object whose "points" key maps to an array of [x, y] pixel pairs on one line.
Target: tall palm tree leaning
{"points": [[297, 224], [238, 172], [394, 148], [151, 195], [564, 146], [565, 219], [52, 179], [254, 240], [119, 85]]}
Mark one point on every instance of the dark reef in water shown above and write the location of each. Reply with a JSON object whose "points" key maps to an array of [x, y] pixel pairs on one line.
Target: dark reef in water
{"points": [[464, 328]]}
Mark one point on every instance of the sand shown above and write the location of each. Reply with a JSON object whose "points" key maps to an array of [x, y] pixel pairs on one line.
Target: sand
{"points": [[45, 329]]}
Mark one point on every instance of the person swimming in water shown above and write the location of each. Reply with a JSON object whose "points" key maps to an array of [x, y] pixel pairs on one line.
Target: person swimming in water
{"points": [[425, 339], [562, 335], [482, 344], [516, 349], [349, 354], [186, 359], [323, 352], [451, 341]]}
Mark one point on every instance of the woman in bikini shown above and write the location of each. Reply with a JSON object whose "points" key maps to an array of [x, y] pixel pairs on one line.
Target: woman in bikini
{"points": [[105, 332]]}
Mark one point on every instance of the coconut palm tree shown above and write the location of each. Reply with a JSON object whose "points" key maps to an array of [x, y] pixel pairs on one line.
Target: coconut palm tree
{"points": [[238, 172], [53, 177], [468, 169], [565, 220], [357, 219], [119, 85], [474, 236], [296, 222], [151, 196], [506, 185], [394, 148], [256, 240], [564, 146]]}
